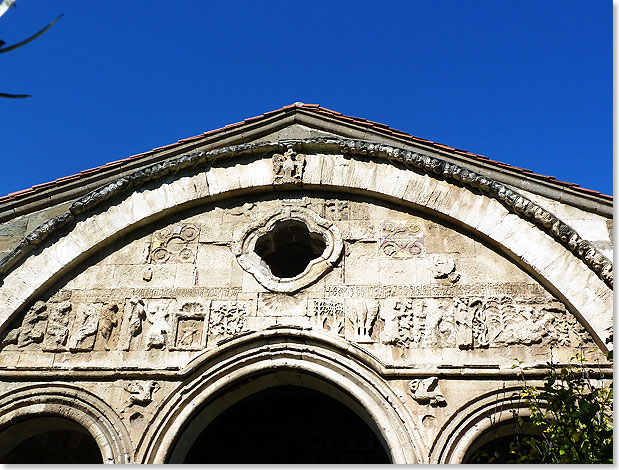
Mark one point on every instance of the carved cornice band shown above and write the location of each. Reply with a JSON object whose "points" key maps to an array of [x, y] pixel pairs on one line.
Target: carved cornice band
{"points": [[432, 166]]}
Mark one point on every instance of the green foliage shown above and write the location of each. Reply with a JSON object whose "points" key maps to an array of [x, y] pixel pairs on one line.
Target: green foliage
{"points": [[571, 421], [571, 417]]}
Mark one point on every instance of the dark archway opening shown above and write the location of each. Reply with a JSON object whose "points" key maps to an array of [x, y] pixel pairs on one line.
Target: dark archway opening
{"points": [[496, 445], [48, 440], [289, 247], [290, 425]]}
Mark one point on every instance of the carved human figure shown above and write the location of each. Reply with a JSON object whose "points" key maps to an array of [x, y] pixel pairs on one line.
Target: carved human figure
{"points": [[108, 321], [135, 313], [189, 332], [464, 321], [57, 327], [87, 323], [33, 326]]}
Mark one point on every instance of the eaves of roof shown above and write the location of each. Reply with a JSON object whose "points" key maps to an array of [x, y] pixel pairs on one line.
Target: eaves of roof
{"points": [[72, 186]]}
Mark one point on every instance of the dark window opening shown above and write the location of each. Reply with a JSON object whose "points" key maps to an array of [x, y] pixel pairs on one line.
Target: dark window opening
{"points": [[289, 425], [48, 440], [289, 248]]}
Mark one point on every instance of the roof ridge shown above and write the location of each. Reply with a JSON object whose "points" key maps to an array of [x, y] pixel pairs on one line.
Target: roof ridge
{"points": [[312, 108]]}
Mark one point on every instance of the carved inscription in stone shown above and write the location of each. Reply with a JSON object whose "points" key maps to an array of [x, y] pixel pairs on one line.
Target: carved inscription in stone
{"points": [[288, 167], [329, 315], [226, 319], [401, 239], [175, 244], [427, 391]]}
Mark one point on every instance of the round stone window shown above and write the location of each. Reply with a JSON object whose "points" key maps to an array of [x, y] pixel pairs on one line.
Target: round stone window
{"points": [[290, 250]]}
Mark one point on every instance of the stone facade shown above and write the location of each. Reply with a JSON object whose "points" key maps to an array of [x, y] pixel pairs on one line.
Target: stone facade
{"points": [[310, 261]]}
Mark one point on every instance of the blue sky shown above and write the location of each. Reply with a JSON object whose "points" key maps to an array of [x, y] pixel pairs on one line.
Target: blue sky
{"points": [[526, 82]]}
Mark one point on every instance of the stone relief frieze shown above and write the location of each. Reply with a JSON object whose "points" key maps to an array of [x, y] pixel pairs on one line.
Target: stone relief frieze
{"points": [[57, 327], [474, 323], [174, 244], [189, 325], [79, 322], [401, 239], [363, 317], [288, 167], [85, 328]]}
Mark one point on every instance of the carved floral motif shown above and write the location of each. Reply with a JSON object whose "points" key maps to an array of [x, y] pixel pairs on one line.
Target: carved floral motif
{"points": [[227, 319], [175, 244], [401, 240], [362, 316], [329, 315]]}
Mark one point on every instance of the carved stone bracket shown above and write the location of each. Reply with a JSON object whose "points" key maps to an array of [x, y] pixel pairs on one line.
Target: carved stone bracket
{"points": [[427, 391]]}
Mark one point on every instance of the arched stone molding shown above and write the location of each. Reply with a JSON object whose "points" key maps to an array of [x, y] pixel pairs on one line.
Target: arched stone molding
{"points": [[313, 359], [73, 403], [472, 420], [563, 273]]}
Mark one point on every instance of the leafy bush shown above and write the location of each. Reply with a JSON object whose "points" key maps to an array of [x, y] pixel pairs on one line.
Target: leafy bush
{"points": [[571, 422]]}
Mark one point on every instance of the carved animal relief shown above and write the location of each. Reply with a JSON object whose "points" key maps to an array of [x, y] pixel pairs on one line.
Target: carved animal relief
{"points": [[427, 391]]}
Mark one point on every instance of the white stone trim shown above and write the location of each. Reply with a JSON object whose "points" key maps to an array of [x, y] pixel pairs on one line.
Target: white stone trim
{"points": [[71, 402], [301, 354], [567, 277]]}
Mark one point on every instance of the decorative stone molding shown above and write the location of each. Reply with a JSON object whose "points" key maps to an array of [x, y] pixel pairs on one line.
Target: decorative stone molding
{"points": [[432, 166], [299, 358], [250, 261], [71, 402], [545, 259]]}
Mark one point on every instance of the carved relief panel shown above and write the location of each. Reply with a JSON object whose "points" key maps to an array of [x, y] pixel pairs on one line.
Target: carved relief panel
{"points": [[175, 244], [401, 239]]}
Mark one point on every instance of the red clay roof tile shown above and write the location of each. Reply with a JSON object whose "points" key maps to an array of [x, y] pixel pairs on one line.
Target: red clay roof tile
{"points": [[314, 108]]}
